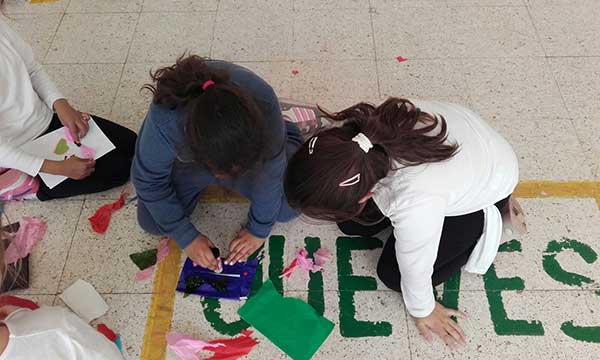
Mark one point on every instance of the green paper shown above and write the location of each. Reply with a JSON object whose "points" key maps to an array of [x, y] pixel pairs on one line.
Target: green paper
{"points": [[61, 147], [291, 324], [144, 259]]}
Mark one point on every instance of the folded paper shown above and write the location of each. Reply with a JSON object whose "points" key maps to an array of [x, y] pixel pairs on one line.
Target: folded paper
{"points": [[84, 300]]}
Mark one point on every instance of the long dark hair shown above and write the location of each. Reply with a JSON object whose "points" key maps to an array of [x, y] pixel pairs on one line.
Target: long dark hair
{"points": [[223, 124], [400, 133]]}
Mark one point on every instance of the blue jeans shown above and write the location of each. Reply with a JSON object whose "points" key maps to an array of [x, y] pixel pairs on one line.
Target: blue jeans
{"points": [[189, 184]]}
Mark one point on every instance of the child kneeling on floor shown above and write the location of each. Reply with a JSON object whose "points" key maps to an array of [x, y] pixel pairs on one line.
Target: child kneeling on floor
{"points": [[435, 172]]}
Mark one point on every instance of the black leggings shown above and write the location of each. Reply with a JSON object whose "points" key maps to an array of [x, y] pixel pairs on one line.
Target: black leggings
{"points": [[459, 237], [111, 170]]}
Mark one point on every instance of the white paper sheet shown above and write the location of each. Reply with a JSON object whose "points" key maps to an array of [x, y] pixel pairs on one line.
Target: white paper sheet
{"points": [[44, 147], [84, 300]]}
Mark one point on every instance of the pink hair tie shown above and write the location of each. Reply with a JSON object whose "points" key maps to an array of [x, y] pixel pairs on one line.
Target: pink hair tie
{"points": [[206, 84]]}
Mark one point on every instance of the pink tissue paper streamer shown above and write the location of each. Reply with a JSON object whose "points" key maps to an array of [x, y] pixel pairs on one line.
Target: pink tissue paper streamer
{"points": [[145, 274], [161, 255], [86, 151], [186, 347], [31, 231], [302, 261]]}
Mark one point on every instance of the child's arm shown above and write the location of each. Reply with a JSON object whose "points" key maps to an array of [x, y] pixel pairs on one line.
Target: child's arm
{"points": [[417, 230], [151, 172], [13, 158], [41, 82], [267, 187]]}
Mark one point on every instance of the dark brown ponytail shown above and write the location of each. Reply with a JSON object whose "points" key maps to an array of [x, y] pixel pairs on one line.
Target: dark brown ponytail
{"points": [[224, 128], [401, 134]]}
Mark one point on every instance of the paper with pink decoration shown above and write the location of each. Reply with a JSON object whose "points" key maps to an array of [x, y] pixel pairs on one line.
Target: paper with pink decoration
{"points": [[59, 145]]}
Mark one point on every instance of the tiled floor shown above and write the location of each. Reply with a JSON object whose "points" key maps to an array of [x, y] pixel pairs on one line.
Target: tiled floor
{"points": [[531, 67]]}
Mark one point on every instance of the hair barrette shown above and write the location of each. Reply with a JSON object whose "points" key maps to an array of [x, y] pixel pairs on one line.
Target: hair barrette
{"points": [[351, 181], [311, 145], [363, 141]]}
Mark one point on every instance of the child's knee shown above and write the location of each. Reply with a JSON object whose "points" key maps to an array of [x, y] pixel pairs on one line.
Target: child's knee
{"points": [[146, 221], [389, 277]]}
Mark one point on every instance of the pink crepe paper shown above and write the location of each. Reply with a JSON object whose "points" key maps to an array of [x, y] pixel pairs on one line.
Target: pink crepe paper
{"points": [[86, 151], [287, 272], [186, 347], [321, 256], [302, 261], [31, 231], [161, 254], [145, 274], [295, 72], [401, 59]]}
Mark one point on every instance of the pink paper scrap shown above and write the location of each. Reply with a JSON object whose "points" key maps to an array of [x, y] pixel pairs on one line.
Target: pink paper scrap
{"points": [[86, 151], [302, 261], [161, 254], [187, 347], [31, 231]]}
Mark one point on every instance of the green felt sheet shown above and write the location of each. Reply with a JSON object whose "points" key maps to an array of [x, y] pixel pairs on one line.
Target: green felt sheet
{"points": [[144, 259], [291, 324]]}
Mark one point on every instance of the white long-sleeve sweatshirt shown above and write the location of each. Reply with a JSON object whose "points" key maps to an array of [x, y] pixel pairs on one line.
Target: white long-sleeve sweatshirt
{"points": [[26, 98], [54, 333], [417, 199]]}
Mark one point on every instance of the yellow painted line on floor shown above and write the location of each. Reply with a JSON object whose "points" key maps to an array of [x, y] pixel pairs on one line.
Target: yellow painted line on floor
{"points": [[41, 1], [559, 189], [162, 303], [161, 309]]}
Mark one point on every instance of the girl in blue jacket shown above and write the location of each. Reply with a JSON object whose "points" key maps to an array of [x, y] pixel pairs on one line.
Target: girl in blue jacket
{"points": [[212, 122]]}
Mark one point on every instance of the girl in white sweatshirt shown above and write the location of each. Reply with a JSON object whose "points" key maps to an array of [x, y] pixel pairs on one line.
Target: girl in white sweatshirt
{"points": [[435, 172], [31, 106]]}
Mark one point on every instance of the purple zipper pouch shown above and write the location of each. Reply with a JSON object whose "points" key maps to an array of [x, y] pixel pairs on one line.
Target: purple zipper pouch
{"points": [[233, 282]]}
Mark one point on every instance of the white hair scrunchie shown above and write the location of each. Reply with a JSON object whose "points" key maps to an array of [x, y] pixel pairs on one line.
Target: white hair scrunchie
{"points": [[363, 141]]}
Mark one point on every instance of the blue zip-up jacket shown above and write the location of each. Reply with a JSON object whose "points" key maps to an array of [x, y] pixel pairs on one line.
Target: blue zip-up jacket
{"points": [[159, 150]]}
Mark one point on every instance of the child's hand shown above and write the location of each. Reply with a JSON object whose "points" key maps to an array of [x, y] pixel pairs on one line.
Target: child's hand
{"points": [[439, 322], [76, 168], [200, 252], [243, 246], [75, 121]]}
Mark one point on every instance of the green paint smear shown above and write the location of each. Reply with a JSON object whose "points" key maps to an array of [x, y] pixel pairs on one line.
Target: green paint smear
{"points": [[350, 284], [315, 283], [583, 333], [276, 246], [555, 271], [61, 147], [211, 307], [144, 259], [493, 289]]}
